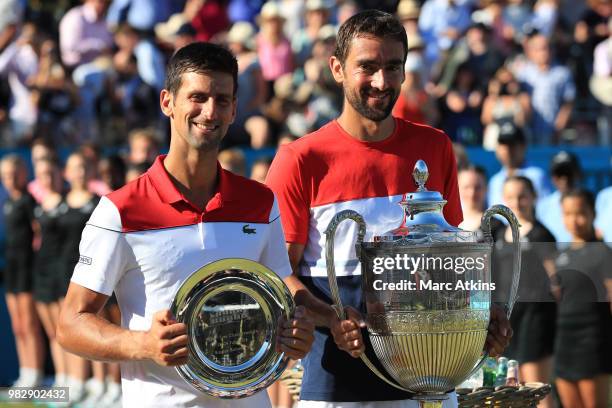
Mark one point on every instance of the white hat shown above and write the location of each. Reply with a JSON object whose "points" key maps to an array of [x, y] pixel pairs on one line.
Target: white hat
{"points": [[242, 32], [270, 10], [312, 5], [408, 9], [326, 32], [166, 31], [601, 88]]}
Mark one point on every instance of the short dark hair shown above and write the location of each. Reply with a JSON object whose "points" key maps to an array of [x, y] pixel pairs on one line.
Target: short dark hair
{"points": [[374, 23], [582, 193], [522, 179], [200, 57]]}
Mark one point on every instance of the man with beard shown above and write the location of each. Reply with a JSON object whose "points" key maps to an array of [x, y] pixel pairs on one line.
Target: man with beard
{"points": [[361, 161], [145, 239]]}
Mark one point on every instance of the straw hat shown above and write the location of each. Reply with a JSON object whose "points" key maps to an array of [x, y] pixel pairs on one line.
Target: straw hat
{"points": [[408, 9]]}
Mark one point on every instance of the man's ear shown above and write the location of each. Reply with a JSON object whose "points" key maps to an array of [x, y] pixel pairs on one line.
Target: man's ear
{"points": [[165, 102], [336, 69]]}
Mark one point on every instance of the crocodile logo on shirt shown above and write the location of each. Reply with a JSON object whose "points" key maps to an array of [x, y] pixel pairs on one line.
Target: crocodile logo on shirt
{"points": [[247, 230]]}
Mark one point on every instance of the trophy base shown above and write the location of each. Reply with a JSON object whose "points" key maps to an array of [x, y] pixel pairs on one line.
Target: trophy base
{"points": [[430, 401]]}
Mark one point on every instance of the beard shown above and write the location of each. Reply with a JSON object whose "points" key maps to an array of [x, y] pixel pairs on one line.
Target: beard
{"points": [[207, 143], [358, 98]]}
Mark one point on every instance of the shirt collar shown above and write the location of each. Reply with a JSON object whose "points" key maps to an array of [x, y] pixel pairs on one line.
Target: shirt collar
{"points": [[170, 194]]}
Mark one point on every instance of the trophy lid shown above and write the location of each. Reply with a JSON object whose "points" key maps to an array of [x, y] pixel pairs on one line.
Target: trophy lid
{"points": [[422, 211]]}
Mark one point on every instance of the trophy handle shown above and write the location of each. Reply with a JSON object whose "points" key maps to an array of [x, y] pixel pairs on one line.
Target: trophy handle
{"points": [[330, 233], [514, 225]]}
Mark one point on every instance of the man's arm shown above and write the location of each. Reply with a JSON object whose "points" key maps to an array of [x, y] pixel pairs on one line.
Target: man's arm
{"points": [[81, 331], [347, 333]]}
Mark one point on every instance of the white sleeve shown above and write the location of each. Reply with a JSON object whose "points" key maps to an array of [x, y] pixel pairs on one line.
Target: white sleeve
{"points": [[274, 254], [104, 254]]}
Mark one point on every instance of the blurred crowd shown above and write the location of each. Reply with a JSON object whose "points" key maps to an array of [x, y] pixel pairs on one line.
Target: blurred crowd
{"points": [[91, 71], [85, 77]]}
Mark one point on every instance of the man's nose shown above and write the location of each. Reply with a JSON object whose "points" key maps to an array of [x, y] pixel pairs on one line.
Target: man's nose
{"points": [[209, 109], [380, 80]]}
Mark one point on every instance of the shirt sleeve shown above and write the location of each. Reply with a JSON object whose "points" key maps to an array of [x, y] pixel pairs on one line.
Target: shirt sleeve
{"points": [[103, 251], [285, 178], [275, 255], [452, 210]]}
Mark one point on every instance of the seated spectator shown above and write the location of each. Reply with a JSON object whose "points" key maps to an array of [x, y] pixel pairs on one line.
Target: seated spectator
{"points": [[504, 103], [55, 96], [461, 109], [551, 88], [252, 90], [233, 160], [565, 174], [408, 12], [83, 33], [302, 41], [414, 103], [18, 62], [260, 168], [273, 48], [510, 152], [441, 23], [143, 146]]}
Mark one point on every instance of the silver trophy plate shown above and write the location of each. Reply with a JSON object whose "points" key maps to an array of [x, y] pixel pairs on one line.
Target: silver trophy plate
{"points": [[232, 308]]}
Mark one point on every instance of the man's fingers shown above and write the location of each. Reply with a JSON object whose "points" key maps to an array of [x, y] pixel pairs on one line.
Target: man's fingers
{"points": [[164, 317], [302, 323], [173, 330], [298, 333], [354, 315], [169, 346], [294, 343]]}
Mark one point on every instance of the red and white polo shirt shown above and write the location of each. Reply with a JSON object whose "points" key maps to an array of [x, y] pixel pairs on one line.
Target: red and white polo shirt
{"points": [[145, 239]]}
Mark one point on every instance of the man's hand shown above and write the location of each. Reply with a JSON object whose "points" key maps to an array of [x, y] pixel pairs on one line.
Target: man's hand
{"points": [[296, 335], [166, 341], [347, 333], [500, 332]]}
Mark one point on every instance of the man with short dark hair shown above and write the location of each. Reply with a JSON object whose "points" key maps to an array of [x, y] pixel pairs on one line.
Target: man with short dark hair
{"points": [[145, 239], [361, 161]]}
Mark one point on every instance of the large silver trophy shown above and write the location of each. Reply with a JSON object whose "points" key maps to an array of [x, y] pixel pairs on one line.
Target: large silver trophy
{"points": [[232, 308], [427, 292]]}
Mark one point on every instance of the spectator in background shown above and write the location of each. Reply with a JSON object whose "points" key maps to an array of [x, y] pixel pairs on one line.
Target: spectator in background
{"points": [[18, 62], [408, 12], [233, 160], [565, 173], [603, 222], [545, 15], [41, 150], [517, 16], [442, 22], [273, 48], [143, 15], [143, 146], [583, 347], [551, 88], [260, 168], [533, 316], [150, 61], [472, 182], [252, 90], [461, 108], [47, 266], [346, 10], [83, 33], [302, 41], [112, 171], [210, 19], [592, 28], [510, 152], [478, 53], [601, 85], [55, 97], [414, 103], [18, 211], [134, 171], [11, 15], [505, 102]]}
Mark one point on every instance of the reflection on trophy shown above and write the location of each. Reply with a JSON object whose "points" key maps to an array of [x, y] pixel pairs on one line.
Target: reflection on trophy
{"points": [[427, 290], [231, 308]]}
